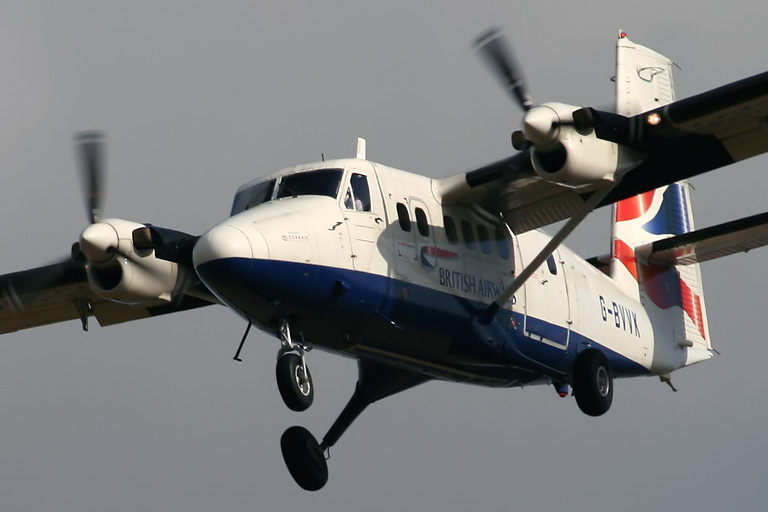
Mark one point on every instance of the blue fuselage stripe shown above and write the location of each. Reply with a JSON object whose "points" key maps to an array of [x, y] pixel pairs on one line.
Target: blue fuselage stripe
{"points": [[368, 315]]}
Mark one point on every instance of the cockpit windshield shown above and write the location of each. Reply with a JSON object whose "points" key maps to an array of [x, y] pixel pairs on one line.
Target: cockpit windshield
{"points": [[323, 182], [254, 195], [320, 182]]}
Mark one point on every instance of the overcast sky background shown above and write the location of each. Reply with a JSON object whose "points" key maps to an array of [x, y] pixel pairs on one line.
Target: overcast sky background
{"points": [[199, 97]]}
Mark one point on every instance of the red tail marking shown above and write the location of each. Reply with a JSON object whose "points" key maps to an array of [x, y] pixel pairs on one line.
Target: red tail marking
{"points": [[634, 207], [692, 307], [626, 255]]}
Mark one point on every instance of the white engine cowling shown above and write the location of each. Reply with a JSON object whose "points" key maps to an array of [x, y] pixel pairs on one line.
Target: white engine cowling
{"points": [[121, 272], [561, 154]]}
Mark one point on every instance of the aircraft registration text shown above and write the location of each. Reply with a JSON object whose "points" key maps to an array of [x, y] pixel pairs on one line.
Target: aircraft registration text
{"points": [[621, 317]]}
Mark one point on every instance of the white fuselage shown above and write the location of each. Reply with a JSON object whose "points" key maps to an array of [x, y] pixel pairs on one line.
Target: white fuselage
{"points": [[395, 275]]}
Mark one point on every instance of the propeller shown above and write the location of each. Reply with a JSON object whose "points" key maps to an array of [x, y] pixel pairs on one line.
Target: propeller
{"points": [[540, 123], [90, 148], [100, 242], [540, 126], [493, 47]]}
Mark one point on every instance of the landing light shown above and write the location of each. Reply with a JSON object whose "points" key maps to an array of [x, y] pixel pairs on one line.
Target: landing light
{"points": [[653, 119]]}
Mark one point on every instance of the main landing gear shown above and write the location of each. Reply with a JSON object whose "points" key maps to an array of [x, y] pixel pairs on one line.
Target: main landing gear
{"points": [[305, 457], [592, 383], [293, 378]]}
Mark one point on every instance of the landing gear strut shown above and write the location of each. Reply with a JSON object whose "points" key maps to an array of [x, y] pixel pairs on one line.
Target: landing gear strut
{"points": [[305, 457], [293, 378]]}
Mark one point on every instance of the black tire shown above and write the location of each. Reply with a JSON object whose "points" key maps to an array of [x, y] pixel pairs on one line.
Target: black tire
{"points": [[297, 392], [304, 458], [593, 383]]}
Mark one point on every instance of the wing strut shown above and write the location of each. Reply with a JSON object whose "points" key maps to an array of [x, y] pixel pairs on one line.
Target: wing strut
{"points": [[548, 249]]}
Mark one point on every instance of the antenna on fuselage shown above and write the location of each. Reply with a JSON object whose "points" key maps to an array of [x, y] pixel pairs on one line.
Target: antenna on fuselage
{"points": [[361, 148]]}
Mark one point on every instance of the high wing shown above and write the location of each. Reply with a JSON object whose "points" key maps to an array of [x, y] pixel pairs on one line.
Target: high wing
{"points": [[692, 136], [570, 155], [59, 292]]}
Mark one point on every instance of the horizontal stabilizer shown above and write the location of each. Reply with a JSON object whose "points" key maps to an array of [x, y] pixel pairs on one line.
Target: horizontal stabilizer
{"points": [[740, 235]]}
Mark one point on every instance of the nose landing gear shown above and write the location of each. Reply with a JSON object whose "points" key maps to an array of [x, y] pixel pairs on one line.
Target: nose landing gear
{"points": [[293, 378], [294, 381]]}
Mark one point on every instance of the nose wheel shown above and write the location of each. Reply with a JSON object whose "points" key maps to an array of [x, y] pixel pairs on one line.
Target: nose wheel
{"points": [[294, 382], [293, 378]]}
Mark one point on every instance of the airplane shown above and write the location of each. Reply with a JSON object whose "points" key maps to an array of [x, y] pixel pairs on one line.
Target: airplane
{"points": [[450, 279]]}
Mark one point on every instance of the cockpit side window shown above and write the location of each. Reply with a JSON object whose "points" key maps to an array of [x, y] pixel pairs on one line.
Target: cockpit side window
{"points": [[322, 182], [361, 191]]}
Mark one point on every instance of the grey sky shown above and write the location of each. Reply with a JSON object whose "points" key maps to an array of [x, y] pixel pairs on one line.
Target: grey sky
{"points": [[199, 97]]}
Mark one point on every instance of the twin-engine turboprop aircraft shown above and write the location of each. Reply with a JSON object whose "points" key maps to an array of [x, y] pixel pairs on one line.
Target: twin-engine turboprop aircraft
{"points": [[448, 279]]}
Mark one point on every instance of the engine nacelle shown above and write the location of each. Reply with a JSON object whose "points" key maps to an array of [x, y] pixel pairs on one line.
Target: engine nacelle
{"points": [[119, 271], [576, 159], [563, 154]]}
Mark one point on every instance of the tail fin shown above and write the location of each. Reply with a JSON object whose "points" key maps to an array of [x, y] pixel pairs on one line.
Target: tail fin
{"points": [[643, 78], [672, 294]]}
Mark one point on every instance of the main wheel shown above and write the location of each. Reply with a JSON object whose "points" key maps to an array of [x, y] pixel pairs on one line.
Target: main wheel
{"points": [[592, 383], [295, 388], [304, 458]]}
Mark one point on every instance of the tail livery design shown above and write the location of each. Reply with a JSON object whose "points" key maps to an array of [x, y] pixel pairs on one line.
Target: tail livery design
{"points": [[672, 294]]}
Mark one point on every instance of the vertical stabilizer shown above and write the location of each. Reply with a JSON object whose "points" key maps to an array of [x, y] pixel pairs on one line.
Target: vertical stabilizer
{"points": [[672, 294], [643, 82], [643, 78]]}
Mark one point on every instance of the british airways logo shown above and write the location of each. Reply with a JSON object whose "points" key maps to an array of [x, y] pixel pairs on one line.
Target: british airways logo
{"points": [[430, 255]]}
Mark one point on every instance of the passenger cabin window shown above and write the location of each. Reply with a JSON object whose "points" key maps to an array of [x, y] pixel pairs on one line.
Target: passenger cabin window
{"points": [[501, 244], [403, 217], [322, 182], [253, 196], [485, 239], [421, 222], [450, 230], [551, 265], [468, 234]]}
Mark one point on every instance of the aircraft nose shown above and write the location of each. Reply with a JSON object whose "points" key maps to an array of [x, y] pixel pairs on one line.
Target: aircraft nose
{"points": [[222, 242]]}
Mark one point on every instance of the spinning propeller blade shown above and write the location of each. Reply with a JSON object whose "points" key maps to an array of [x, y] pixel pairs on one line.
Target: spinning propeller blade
{"points": [[90, 148], [492, 45]]}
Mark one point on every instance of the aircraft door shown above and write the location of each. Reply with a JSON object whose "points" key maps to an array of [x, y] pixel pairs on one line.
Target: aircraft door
{"points": [[364, 214], [547, 311], [424, 234], [414, 242]]}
